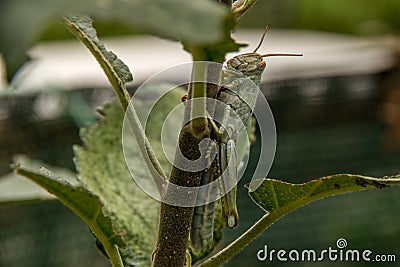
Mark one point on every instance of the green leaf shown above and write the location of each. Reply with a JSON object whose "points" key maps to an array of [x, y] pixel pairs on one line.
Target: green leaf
{"points": [[82, 26], [101, 166], [278, 197], [105, 187], [16, 189], [215, 52], [198, 22], [80, 200], [116, 71], [118, 74]]}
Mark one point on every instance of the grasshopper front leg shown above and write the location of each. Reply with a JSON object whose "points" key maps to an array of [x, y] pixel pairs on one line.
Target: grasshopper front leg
{"points": [[227, 161], [228, 169]]}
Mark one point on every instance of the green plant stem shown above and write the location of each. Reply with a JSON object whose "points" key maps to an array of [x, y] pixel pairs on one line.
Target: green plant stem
{"points": [[144, 145], [113, 254], [198, 93], [246, 238]]}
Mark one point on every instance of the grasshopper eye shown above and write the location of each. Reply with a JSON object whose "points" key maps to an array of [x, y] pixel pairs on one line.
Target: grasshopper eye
{"points": [[261, 65]]}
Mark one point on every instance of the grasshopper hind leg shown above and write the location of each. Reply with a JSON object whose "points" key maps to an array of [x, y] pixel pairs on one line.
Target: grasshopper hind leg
{"points": [[201, 232]]}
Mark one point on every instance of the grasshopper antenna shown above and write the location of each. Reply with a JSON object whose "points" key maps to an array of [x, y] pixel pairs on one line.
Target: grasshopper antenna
{"points": [[273, 54], [262, 39], [282, 55]]}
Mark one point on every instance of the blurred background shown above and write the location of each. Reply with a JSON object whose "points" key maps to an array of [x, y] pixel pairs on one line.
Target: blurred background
{"points": [[337, 110]]}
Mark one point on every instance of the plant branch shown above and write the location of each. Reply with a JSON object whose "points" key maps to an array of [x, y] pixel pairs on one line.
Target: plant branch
{"points": [[175, 222]]}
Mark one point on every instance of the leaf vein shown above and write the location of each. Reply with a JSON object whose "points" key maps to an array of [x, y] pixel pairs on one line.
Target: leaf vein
{"points": [[275, 198]]}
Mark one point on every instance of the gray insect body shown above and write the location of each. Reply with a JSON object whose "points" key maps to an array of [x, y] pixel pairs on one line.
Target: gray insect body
{"points": [[240, 81]]}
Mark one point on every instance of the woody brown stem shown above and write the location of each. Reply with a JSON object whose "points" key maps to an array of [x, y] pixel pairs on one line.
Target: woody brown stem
{"points": [[175, 221]]}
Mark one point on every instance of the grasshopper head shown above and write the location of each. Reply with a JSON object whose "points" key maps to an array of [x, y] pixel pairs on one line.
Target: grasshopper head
{"points": [[248, 63], [253, 64]]}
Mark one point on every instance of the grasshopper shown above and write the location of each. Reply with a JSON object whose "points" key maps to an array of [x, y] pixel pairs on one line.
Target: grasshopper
{"points": [[239, 95]]}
